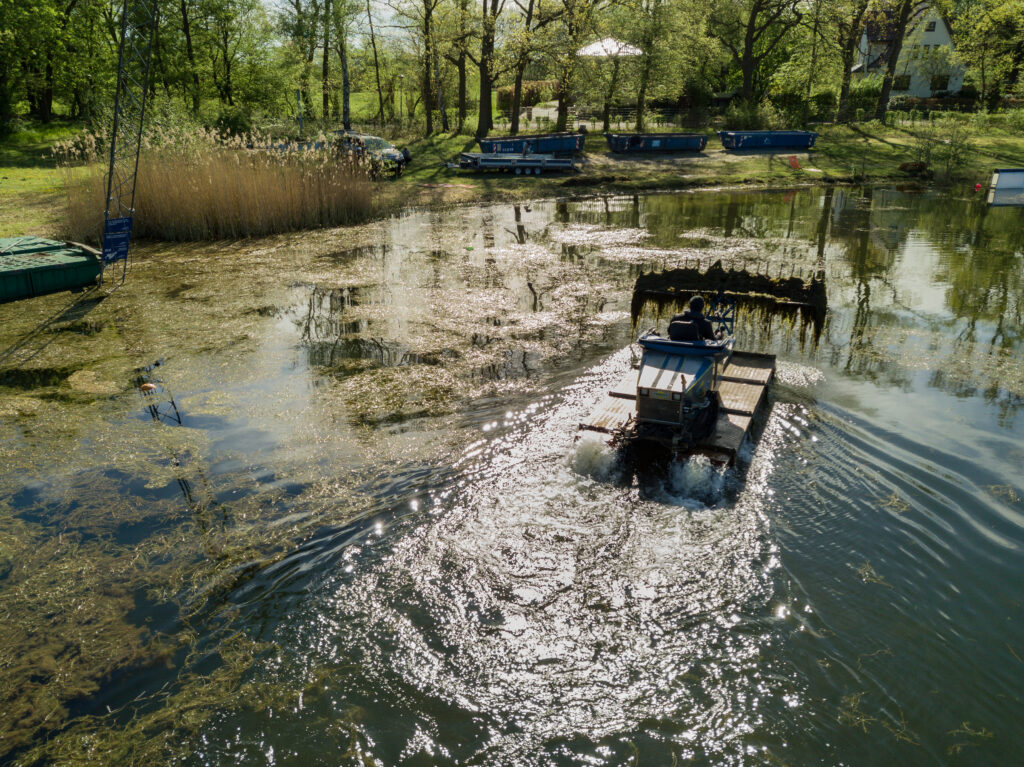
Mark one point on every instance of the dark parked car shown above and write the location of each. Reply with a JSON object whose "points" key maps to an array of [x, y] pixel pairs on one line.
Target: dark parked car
{"points": [[380, 151]]}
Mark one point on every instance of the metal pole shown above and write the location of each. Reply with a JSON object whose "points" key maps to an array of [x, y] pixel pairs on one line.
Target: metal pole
{"points": [[138, 26]]}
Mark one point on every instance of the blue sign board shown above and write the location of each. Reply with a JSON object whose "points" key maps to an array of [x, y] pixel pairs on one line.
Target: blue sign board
{"points": [[117, 235]]}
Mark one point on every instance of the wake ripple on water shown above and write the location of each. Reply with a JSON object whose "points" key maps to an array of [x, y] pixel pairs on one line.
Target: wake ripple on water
{"points": [[887, 538], [542, 614]]}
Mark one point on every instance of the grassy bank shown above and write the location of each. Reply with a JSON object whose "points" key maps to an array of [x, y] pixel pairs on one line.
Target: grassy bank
{"points": [[860, 153], [31, 185], [33, 199]]}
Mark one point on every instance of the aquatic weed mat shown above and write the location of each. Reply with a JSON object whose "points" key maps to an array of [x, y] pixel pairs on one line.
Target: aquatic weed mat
{"points": [[112, 512]]}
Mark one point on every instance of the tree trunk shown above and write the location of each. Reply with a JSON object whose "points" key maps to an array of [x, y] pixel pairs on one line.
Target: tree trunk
{"points": [[309, 40], [562, 118], [5, 94], [521, 62], [440, 94], [748, 62], [609, 97], [46, 95], [814, 53], [425, 85], [485, 118], [462, 90], [325, 65], [767, 24], [346, 91], [460, 63], [984, 90], [517, 96], [641, 96], [902, 15], [849, 52], [376, 64], [214, 76], [186, 28], [228, 89], [31, 76]]}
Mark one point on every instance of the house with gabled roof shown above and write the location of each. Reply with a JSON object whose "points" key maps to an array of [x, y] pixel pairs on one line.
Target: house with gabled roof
{"points": [[927, 66]]}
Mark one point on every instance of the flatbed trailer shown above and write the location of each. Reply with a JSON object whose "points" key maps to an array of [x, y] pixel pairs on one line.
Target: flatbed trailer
{"points": [[513, 163], [743, 391]]}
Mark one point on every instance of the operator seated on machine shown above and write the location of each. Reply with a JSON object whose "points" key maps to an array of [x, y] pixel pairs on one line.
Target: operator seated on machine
{"points": [[692, 325]]}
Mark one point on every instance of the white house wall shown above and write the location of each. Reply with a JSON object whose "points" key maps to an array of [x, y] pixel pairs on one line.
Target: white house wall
{"points": [[923, 51]]}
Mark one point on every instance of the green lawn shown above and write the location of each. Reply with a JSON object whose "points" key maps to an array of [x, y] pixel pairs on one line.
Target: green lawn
{"points": [[430, 154], [31, 185]]}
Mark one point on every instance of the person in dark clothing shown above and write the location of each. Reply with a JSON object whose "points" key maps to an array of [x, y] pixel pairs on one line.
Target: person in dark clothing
{"points": [[694, 315]]}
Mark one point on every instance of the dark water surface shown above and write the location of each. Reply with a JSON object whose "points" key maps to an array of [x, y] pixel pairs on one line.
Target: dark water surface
{"points": [[352, 526]]}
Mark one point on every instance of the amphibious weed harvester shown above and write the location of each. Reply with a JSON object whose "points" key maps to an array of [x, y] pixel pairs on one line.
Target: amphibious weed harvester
{"points": [[694, 395]]}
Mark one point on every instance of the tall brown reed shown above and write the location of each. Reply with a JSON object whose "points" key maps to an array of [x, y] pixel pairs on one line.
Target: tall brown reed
{"points": [[213, 188]]}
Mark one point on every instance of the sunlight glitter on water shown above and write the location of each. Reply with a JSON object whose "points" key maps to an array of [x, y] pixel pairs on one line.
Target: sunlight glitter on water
{"points": [[552, 604]]}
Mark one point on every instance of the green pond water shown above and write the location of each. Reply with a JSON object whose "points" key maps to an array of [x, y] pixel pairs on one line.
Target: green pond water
{"points": [[350, 522]]}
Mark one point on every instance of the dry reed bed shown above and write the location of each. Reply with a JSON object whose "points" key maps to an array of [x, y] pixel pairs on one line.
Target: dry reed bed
{"points": [[209, 189]]}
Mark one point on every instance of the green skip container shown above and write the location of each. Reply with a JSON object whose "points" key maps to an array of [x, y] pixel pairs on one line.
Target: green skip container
{"points": [[32, 266]]}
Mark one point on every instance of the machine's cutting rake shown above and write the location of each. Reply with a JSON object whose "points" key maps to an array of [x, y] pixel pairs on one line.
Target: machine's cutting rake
{"points": [[778, 286]]}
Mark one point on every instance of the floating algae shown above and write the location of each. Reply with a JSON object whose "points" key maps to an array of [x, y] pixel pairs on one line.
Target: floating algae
{"points": [[89, 382], [14, 406], [133, 514]]}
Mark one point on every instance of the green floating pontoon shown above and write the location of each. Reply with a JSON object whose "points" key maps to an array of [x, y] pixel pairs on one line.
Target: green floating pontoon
{"points": [[32, 266]]}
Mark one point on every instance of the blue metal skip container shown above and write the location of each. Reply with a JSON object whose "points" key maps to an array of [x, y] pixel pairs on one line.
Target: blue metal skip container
{"points": [[767, 139], [656, 142], [549, 143]]}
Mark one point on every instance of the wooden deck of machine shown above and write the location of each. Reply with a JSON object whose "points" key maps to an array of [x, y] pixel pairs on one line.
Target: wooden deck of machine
{"points": [[743, 391]]}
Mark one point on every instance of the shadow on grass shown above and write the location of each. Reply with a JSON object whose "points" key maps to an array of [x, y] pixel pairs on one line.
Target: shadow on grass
{"points": [[430, 155], [871, 137], [983, 145], [30, 146], [35, 155], [1005, 159]]}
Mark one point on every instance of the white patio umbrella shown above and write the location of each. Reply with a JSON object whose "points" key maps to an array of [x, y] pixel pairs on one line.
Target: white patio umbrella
{"points": [[609, 47]]}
